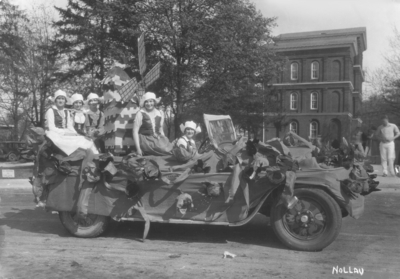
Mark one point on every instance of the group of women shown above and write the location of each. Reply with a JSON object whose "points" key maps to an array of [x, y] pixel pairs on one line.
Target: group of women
{"points": [[70, 129], [74, 128]]}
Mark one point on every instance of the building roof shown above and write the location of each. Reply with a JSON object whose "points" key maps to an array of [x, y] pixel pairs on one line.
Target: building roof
{"points": [[322, 39]]}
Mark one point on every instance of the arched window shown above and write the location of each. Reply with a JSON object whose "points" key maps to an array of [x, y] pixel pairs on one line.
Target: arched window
{"points": [[294, 71], [293, 127], [314, 100], [294, 98], [314, 70], [313, 129]]}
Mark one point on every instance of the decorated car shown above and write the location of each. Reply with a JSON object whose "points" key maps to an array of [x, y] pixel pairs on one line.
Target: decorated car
{"points": [[305, 205]]}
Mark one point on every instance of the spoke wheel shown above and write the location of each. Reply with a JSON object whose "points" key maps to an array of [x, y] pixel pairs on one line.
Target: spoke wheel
{"points": [[312, 224], [307, 220], [91, 225], [12, 157]]}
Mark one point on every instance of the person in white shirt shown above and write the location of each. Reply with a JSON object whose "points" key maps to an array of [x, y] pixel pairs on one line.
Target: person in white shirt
{"points": [[60, 127], [387, 133]]}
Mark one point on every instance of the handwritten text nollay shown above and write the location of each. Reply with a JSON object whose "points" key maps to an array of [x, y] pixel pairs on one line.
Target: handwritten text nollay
{"points": [[347, 270]]}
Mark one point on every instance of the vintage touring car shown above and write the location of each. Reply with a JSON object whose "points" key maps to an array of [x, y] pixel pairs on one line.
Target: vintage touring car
{"points": [[200, 198]]}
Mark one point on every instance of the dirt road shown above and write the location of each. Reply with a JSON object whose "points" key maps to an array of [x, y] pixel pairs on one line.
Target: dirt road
{"points": [[34, 244]]}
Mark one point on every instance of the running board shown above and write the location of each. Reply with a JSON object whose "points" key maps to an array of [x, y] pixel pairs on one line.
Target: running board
{"points": [[176, 221]]}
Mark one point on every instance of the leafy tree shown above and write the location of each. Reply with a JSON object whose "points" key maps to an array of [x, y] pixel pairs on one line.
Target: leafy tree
{"points": [[12, 56], [42, 62], [94, 33], [385, 83], [213, 54]]}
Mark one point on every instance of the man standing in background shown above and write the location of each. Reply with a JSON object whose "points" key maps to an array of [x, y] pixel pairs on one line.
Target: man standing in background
{"points": [[387, 133]]}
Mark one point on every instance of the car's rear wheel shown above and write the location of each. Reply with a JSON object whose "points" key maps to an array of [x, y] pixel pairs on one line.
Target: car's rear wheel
{"points": [[91, 225], [312, 224]]}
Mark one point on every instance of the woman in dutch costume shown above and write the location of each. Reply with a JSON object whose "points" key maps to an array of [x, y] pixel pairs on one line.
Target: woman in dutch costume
{"points": [[185, 151], [95, 121], [148, 133], [185, 147], [60, 127], [77, 114]]}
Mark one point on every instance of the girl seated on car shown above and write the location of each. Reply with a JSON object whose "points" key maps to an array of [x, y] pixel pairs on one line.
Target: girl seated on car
{"points": [[95, 120], [78, 116], [185, 151], [148, 133], [60, 127], [185, 147]]}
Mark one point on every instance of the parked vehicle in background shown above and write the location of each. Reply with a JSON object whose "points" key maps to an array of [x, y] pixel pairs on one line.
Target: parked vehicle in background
{"points": [[12, 151]]}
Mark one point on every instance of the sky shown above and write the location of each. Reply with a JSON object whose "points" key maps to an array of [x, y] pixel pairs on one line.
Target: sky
{"points": [[378, 16]]}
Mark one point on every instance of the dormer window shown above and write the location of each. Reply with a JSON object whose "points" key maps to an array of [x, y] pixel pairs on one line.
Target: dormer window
{"points": [[294, 71], [314, 70]]}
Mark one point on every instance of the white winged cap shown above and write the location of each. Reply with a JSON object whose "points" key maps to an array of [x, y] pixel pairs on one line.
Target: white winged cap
{"points": [[59, 93], [93, 96], [190, 125], [149, 96], [76, 97]]}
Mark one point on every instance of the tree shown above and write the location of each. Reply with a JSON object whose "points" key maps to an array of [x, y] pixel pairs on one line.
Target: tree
{"points": [[385, 82], [94, 33], [42, 62], [213, 54], [12, 56]]}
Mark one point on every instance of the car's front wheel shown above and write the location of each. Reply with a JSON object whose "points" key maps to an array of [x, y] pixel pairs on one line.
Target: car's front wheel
{"points": [[312, 224], [91, 225]]}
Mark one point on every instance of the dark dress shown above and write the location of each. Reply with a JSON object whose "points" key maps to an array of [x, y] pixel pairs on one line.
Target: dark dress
{"points": [[152, 142]]}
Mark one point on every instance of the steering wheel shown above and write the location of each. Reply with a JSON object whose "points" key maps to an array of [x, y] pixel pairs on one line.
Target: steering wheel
{"points": [[204, 146], [207, 142]]}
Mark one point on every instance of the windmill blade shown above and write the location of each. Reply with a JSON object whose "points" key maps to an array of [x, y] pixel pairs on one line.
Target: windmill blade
{"points": [[152, 75], [142, 54], [128, 91]]}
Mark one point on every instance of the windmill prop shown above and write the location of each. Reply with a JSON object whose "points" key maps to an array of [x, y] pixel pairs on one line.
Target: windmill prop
{"points": [[122, 101], [134, 88]]}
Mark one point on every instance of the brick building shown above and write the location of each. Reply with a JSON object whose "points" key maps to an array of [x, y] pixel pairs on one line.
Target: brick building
{"points": [[321, 88]]}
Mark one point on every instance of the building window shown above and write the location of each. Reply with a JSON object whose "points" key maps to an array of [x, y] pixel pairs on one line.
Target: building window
{"points": [[313, 130], [293, 127], [294, 71], [314, 70], [314, 100], [336, 71], [294, 98]]}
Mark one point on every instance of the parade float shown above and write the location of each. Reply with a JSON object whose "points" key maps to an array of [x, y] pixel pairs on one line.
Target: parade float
{"points": [[306, 205]]}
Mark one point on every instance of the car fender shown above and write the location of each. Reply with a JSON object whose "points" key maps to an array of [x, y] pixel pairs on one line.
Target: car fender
{"points": [[329, 180], [256, 209]]}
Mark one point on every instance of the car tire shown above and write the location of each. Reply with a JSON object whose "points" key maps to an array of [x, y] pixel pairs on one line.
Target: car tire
{"points": [[313, 223], [91, 226], [12, 157]]}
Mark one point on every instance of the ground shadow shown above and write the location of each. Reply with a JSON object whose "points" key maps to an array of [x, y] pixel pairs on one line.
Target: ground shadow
{"points": [[257, 232], [33, 220]]}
